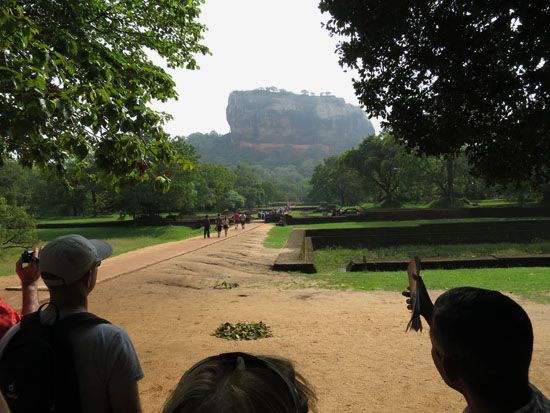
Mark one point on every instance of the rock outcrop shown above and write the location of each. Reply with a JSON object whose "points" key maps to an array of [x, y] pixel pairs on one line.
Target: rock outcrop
{"points": [[267, 120]]}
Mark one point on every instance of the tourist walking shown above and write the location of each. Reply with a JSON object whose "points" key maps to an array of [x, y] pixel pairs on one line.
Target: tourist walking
{"points": [[225, 223], [243, 219], [206, 226], [219, 225], [236, 219]]}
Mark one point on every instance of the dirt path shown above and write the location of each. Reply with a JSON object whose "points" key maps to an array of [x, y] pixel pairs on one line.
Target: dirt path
{"points": [[351, 345]]}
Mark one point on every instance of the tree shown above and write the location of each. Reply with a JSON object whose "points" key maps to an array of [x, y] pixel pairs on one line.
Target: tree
{"points": [[335, 181], [249, 185], [385, 167], [16, 227], [181, 197], [450, 176], [213, 183], [76, 81], [447, 75], [16, 184]]}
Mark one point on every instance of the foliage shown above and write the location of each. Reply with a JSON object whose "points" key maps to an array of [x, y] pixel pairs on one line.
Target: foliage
{"points": [[249, 185], [334, 181], [225, 286], [16, 184], [451, 74], [243, 331], [286, 169], [76, 81], [385, 168], [16, 227], [215, 187]]}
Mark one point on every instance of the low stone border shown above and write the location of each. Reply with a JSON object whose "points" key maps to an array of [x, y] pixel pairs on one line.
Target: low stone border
{"points": [[413, 214], [297, 254], [452, 263], [433, 233]]}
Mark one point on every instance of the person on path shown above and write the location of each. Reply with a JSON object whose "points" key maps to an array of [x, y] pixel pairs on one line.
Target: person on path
{"points": [[105, 362], [243, 219], [219, 225], [236, 219], [206, 226], [225, 223]]}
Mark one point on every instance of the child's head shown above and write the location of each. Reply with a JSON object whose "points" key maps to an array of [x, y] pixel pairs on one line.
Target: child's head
{"points": [[240, 382], [481, 339]]}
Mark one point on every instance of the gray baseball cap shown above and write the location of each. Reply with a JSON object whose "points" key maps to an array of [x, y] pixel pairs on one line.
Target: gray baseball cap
{"points": [[68, 258]]}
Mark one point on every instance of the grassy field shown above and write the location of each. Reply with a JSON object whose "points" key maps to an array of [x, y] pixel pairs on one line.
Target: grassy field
{"points": [[122, 239], [300, 214], [531, 283], [74, 220], [277, 236], [333, 259]]}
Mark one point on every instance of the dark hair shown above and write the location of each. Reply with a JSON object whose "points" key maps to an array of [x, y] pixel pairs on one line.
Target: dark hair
{"points": [[489, 334], [240, 382]]}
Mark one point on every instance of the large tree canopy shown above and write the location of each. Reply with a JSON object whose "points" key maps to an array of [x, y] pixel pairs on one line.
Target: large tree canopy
{"points": [[76, 80], [448, 74]]}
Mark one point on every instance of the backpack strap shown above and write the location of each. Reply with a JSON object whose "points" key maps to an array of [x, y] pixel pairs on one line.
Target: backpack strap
{"points": [[66, 324], [80, 319]]}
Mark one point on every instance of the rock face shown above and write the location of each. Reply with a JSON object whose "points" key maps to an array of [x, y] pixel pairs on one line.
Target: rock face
{"points": [[267, 120]]}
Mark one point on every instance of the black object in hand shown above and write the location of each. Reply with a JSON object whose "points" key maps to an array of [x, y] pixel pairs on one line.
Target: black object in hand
{"points": [[413, 271], [27, 256]]}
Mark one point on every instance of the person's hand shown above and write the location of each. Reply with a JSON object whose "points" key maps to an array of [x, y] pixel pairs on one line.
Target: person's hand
{"points": [[425, 302], [30, 273]]}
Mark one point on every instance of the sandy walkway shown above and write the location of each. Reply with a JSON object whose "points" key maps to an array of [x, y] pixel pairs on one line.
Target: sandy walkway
{"points": [[350, 345]]}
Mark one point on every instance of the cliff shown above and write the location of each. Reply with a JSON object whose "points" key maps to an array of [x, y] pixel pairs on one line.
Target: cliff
{"points": [[267, 120]]}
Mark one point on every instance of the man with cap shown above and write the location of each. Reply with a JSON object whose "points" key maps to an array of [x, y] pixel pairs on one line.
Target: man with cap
{"points": [[106, 363]]}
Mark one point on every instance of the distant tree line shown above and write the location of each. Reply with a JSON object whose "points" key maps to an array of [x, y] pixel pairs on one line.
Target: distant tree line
{"points": [[204, 187], [382, 171]]}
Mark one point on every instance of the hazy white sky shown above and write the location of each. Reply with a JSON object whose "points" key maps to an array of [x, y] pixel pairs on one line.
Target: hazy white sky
{"points": [[256, 43]]}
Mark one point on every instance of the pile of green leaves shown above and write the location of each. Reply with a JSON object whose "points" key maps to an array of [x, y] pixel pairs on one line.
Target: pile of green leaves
{"points": [[225, 286], [243, 331]]}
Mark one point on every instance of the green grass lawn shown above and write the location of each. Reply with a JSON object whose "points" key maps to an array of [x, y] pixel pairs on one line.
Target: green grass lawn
{"points": [[333, 259], [73, 220], [295, 213], [531, 283], [122, 239]]}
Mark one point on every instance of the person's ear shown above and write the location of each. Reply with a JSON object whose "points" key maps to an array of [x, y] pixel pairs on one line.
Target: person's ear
{"points": [[90, 279]]}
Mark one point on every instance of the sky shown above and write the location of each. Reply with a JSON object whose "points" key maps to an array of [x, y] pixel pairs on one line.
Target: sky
{"points": [[255, 43]]}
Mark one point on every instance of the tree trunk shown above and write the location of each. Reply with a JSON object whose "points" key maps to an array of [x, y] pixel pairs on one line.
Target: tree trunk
{"points": [[450, 178], [94, 203]]}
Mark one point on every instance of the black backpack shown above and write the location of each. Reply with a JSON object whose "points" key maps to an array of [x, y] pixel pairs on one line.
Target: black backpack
{"points": [[37, 372]]}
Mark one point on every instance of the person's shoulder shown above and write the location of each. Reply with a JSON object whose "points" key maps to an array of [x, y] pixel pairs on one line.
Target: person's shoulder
{"points": [[105, 329], [110, 328], [539, 403]]}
